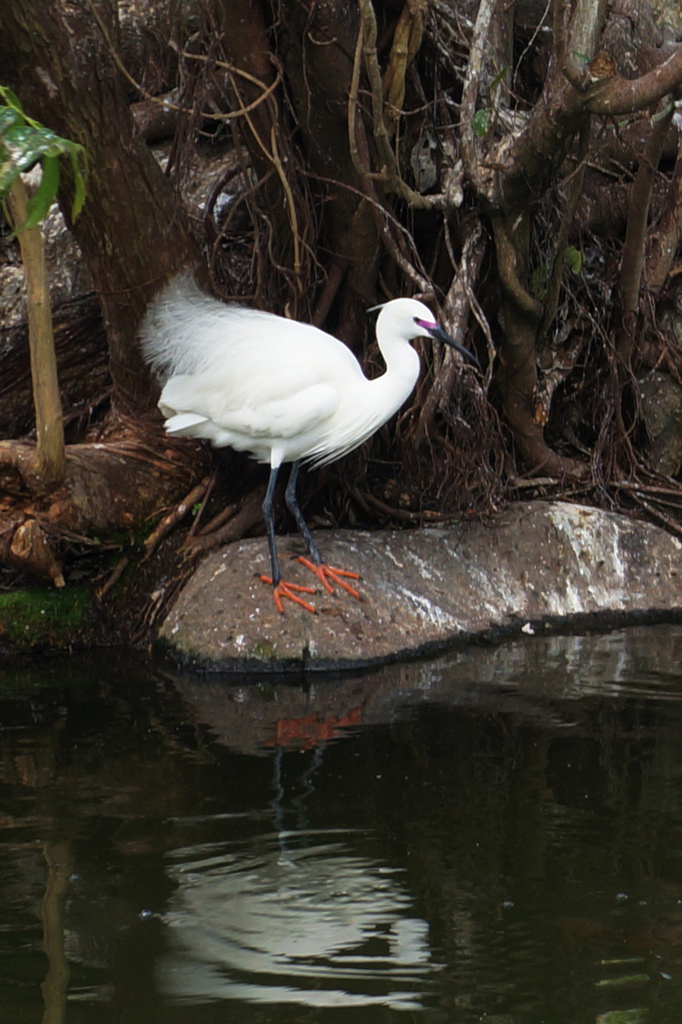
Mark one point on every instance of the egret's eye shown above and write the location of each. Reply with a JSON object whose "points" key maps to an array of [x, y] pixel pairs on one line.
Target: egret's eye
{"points": [[424, 324]]}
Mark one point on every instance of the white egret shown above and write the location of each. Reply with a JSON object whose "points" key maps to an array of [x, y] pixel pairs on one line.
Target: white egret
{"points": [[282, 390]]}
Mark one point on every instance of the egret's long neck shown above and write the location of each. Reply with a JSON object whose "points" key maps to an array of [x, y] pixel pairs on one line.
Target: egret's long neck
{"points": [[400, 358], [370, 403], [402, 370]]}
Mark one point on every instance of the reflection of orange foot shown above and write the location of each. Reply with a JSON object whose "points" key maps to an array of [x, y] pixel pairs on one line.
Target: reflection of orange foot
{"points": [[283, 590], [325, 573], [311, 731]]}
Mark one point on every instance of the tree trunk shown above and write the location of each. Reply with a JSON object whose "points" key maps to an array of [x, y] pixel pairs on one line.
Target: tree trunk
{"points": [[132, 230], [134, 234], [317, 47]]}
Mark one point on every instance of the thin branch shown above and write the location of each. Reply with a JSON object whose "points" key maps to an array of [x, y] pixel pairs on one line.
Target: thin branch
{"points": [[50, 454], [625, 96], [178, 513], [407, 40], [664, 241], [386, 220], [576, 188], [268, 90], [456, 311], [470, 90], [178, 108], [507, 259], [390, 173], [632, 257]]}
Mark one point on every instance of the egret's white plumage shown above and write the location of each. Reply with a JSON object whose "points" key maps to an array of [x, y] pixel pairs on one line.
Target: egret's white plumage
{"points": [[282, 390]]}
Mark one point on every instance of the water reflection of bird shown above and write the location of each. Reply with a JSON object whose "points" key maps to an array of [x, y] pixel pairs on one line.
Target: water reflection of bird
{"points": [[316, 924], [282, 390]]}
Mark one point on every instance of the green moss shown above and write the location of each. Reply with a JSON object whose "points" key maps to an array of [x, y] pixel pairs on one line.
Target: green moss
{"points": [[36, 618], [264, 650]]}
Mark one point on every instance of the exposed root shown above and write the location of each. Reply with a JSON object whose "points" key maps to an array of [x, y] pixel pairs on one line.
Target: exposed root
{"points": [[113, 577], [248, 514], [26, 548], [175, 516], [108, 486]]}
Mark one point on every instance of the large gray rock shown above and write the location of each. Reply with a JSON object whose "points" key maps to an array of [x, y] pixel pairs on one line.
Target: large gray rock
{"points": [[535, 566], [662, 404]]}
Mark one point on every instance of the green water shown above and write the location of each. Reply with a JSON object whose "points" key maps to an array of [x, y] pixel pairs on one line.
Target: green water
{"points": [[493, 836]]}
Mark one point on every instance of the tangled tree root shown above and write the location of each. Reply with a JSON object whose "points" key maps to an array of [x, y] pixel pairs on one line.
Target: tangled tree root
{"points": [[109, 486]]}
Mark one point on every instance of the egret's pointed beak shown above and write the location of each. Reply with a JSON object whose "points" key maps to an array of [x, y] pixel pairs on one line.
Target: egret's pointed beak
{"points": [[440, 335]]}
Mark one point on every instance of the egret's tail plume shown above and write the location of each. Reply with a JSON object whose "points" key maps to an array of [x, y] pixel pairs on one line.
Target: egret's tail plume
{"points": [[182, 328]]}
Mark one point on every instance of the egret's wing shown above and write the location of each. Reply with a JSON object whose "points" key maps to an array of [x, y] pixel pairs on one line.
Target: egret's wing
{"points": [[279, 364], [278, 417], [181, 423], [245, 378], [186, 332]]}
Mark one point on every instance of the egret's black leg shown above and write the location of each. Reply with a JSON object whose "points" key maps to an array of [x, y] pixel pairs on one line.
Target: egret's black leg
{"points": [[280, 588], [324, 572], [268, 507], [292, 505]]}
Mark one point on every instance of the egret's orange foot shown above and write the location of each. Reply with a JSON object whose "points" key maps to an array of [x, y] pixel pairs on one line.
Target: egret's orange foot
{"points": [[325, 573], [290, 591]]}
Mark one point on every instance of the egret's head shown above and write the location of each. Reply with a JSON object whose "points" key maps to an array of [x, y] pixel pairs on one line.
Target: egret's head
{"points": [[410, 318]]}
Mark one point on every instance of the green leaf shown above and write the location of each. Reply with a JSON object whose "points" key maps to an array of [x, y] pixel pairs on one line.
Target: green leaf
{"points": [[635, 1016], [9, 117], [8, 172], [42, 199], [480, 122], [79, 165], [499, 76], [26, 144], [23, 142], [538, 282], [11, 99], [574, 259]]}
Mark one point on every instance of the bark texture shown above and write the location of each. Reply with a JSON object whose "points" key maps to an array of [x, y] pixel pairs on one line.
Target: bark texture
{"points": [[132, 231]]}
